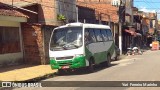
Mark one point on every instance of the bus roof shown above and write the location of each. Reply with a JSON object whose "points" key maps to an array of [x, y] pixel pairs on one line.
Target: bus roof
{"points": [[86, 25]]}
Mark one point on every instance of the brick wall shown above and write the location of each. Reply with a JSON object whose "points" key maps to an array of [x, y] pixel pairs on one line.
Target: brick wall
{"points": [[6, 1], [33, 44], [86, 14], [33, 18], [47, 30], [107, 1], [46, 10]]}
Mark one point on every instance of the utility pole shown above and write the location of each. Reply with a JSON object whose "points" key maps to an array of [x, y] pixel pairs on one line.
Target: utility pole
{"points": [[77, 13], [120, 37], [121, 20], [109, 20], [120, 28], [114, 34], [156, 23], [12, 3], [99, 17]]}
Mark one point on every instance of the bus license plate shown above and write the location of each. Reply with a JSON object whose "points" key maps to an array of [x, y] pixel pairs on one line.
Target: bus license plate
{"points": [[65, 67]]}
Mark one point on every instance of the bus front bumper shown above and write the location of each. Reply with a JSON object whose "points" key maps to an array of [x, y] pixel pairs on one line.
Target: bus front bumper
{"points": [[77, 62]]}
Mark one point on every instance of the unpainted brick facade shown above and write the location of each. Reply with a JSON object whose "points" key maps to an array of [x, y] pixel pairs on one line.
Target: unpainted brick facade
{"points": [[95, 1], [36, 32], [46, 9], [33, 44]]}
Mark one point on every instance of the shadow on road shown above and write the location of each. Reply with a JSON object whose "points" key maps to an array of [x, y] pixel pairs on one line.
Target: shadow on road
{"points": [[82, 71]]}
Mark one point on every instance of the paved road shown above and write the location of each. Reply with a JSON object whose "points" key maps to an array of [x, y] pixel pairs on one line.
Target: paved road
{"points": [[144, 67]]}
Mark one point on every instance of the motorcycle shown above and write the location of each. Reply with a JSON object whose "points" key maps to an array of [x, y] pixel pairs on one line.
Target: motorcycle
{"points": [[134, 51]]}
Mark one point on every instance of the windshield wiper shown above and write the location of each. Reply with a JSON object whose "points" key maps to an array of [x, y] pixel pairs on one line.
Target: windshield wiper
{"points": [[76, 45], [58, 48], [69, 45]]}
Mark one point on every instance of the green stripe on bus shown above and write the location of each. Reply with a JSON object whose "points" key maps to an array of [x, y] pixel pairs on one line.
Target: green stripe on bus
{"points": [[77, 62]]}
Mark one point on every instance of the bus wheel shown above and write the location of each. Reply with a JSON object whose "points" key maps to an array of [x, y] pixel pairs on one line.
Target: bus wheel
{"points": [[91, 66], [108, 60], [116, 58]]}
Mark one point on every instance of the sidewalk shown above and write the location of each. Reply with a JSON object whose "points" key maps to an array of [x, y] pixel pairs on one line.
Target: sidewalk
{"points": [[28, 72], [25, 72]]}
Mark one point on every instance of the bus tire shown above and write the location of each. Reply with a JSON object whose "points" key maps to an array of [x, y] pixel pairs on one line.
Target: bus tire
{"points": [[91, 66], [116, 58], [108, 60]]}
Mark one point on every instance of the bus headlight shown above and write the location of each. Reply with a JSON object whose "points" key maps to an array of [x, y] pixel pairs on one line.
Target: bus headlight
{"points": [[79, 55], [52, 58]]}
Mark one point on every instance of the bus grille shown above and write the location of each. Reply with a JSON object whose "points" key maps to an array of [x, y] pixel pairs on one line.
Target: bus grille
{"points": [[65, 63], [63, 58]]}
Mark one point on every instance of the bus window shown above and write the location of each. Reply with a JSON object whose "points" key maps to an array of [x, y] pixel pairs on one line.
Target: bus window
{"points": [[104, 35], [86, 37], [98, 35], [109, 34], [89, 36], [92, 35]]}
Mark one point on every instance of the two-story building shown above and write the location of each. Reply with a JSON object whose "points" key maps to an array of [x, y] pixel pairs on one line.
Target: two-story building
{"points": [[100, 12], [149, 26], [11, 43], [42, 20]]}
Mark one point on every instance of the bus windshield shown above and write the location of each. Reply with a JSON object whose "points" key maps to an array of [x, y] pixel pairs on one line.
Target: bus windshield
{"points": [[66, 38]]}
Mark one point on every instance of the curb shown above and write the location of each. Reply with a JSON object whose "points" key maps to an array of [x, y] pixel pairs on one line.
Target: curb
{"points": [[36, 79], [122, 57]]}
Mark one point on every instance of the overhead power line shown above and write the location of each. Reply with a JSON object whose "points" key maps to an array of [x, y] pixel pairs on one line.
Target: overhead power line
{"points": [[147, 1], [151, 5], [85, 4]]}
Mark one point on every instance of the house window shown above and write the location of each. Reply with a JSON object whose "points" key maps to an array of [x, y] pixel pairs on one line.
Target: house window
{"points": [[114, 2], [117, 3], [9, 40]]}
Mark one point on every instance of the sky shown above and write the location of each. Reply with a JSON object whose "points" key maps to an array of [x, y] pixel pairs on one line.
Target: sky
{"points": [[148, 6]]}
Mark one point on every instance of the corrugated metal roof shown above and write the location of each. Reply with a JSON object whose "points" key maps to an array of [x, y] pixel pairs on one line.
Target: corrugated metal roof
{"points": [[15, 13], [22, 4], [7, 10]]}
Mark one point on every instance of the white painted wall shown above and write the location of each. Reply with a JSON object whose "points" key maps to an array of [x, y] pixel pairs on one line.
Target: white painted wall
{"points": [[11, 58], [115, 2], [9, 23]]}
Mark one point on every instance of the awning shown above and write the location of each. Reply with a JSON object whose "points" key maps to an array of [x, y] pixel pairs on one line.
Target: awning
{"points": [[21, 5], [130, 31], [127, 14], [7, 12], [133, 32]]}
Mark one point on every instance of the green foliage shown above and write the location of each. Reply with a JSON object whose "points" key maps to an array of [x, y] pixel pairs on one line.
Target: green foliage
{"points": [[61, 17]]}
